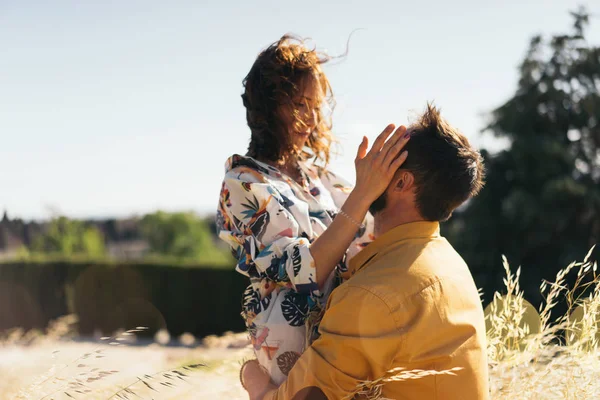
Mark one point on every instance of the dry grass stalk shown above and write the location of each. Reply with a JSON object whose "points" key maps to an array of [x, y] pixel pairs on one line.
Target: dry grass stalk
{"points": [[77, 384], [167, 378], [562, 361], [373, 389]]}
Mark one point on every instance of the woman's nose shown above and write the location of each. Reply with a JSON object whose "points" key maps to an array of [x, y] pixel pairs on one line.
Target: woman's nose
{"points": [[309, 116]]}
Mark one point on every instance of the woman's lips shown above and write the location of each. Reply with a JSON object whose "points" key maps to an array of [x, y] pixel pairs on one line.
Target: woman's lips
{"points": [[305, 133]]}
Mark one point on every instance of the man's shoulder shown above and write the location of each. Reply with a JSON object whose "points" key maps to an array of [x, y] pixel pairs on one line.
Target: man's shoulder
{"points": [[405, 270]]}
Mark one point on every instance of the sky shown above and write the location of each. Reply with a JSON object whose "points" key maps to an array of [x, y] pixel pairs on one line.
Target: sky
{"points": [[119, 108]]}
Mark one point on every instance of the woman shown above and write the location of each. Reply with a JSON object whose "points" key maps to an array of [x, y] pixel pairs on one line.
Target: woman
{"points": [[290, 222]]}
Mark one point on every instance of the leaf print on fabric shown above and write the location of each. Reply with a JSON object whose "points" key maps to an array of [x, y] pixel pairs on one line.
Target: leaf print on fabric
{"points": [[244, 255], [320, 214], [276, 271], [247, 186], [237, 223], [252, 304], [286, 361], [252, 207], [273, 269], [244, 260], [294, 308], [282, 274], [266, 251], [286, 202], [222, 221], [251, 300], [259, 226], [283, 199], [225, 196], [258, 215], [309, 288], [296, 260]]}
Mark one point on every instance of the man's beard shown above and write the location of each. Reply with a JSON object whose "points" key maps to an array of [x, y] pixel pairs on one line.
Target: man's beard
{"points": [[378, 205]]}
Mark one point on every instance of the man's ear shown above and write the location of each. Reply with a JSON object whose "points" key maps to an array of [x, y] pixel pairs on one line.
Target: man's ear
{"points": [[403, 181]]}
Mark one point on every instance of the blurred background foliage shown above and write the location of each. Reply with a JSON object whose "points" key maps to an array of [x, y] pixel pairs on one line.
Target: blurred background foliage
{"points": [[540, 207], [541, 203]]}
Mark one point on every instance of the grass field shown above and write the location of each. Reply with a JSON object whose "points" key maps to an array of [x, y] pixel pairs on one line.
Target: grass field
{"points": [[532, 354]]}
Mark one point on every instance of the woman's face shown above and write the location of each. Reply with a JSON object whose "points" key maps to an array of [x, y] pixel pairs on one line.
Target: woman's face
{"points": [[300, 115]]}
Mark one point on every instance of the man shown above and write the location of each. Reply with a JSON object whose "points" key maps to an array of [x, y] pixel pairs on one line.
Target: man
{"points": [[411, 302]]}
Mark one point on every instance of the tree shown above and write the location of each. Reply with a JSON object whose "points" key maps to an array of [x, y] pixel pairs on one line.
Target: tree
{"points": [[541, 203], [181, 235], [66, 237]]}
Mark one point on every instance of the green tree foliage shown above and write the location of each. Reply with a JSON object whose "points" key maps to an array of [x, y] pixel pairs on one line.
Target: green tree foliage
{"points": [[66, 237], [541, 203], [181, 235]]}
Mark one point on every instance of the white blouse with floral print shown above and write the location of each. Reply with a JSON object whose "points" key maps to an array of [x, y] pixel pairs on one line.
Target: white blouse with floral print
{"points": [[270, 220]]}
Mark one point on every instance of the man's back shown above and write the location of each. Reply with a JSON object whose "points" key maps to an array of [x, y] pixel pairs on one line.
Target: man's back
{"points": [[435, 306], [410, 304]]}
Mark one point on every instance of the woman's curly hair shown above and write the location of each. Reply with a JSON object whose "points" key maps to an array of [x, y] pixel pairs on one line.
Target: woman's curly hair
{"points": [[274, 80]]}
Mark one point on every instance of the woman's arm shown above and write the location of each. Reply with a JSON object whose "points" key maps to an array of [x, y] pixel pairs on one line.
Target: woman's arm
{"points": [[340, 189], [374, 171], [259, 226]]}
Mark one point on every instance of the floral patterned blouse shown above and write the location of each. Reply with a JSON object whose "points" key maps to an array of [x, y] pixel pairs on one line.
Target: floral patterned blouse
{"points": [[270, 220]]}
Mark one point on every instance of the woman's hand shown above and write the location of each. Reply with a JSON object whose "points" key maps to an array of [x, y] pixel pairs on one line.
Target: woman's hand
{"points": [[375, 169], [255, 380]]}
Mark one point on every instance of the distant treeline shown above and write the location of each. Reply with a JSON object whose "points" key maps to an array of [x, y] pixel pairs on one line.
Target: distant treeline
{"points": [[175, 236]]}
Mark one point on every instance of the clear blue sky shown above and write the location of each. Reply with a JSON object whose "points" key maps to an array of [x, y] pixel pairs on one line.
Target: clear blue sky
{"points": [[116, 108]]}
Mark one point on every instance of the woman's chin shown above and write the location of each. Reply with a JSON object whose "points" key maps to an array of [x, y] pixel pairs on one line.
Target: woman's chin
{"points": [[301, 140]]}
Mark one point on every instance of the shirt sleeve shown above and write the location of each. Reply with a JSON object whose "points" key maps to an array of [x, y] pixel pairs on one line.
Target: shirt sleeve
{"points": [[254, 219], [340, 190], [359, 341]]}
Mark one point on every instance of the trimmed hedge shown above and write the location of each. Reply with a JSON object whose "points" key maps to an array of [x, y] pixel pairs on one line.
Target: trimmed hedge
{"points": [[106, 297]]}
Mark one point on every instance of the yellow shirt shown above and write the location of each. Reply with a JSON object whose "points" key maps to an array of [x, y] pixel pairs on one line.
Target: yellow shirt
{"points": [[411, 303]]}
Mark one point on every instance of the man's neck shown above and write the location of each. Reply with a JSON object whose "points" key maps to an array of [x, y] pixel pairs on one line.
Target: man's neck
{"points": [[388, 219]]}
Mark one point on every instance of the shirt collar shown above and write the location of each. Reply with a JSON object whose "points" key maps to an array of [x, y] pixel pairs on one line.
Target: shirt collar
{"points": [[237, 160], [412, 230]]}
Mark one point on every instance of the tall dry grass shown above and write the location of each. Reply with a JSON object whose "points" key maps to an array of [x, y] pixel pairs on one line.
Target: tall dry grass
{"points": [[562, 360], [533, 354]]}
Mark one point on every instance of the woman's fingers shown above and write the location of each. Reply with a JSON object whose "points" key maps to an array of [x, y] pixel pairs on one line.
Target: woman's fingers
{"points": [[379, 142], [397, 163], [399, 140], [375, 168], [362, 149]]}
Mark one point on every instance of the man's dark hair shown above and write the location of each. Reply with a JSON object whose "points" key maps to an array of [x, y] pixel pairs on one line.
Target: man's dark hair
{"points": [[447, 170]]}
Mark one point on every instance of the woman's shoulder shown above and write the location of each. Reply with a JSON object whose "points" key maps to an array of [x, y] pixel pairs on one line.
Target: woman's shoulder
{"points": [[247, 168]]}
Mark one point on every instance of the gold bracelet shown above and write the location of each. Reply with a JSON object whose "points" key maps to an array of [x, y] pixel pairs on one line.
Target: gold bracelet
{"points": [[360, 226]]}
